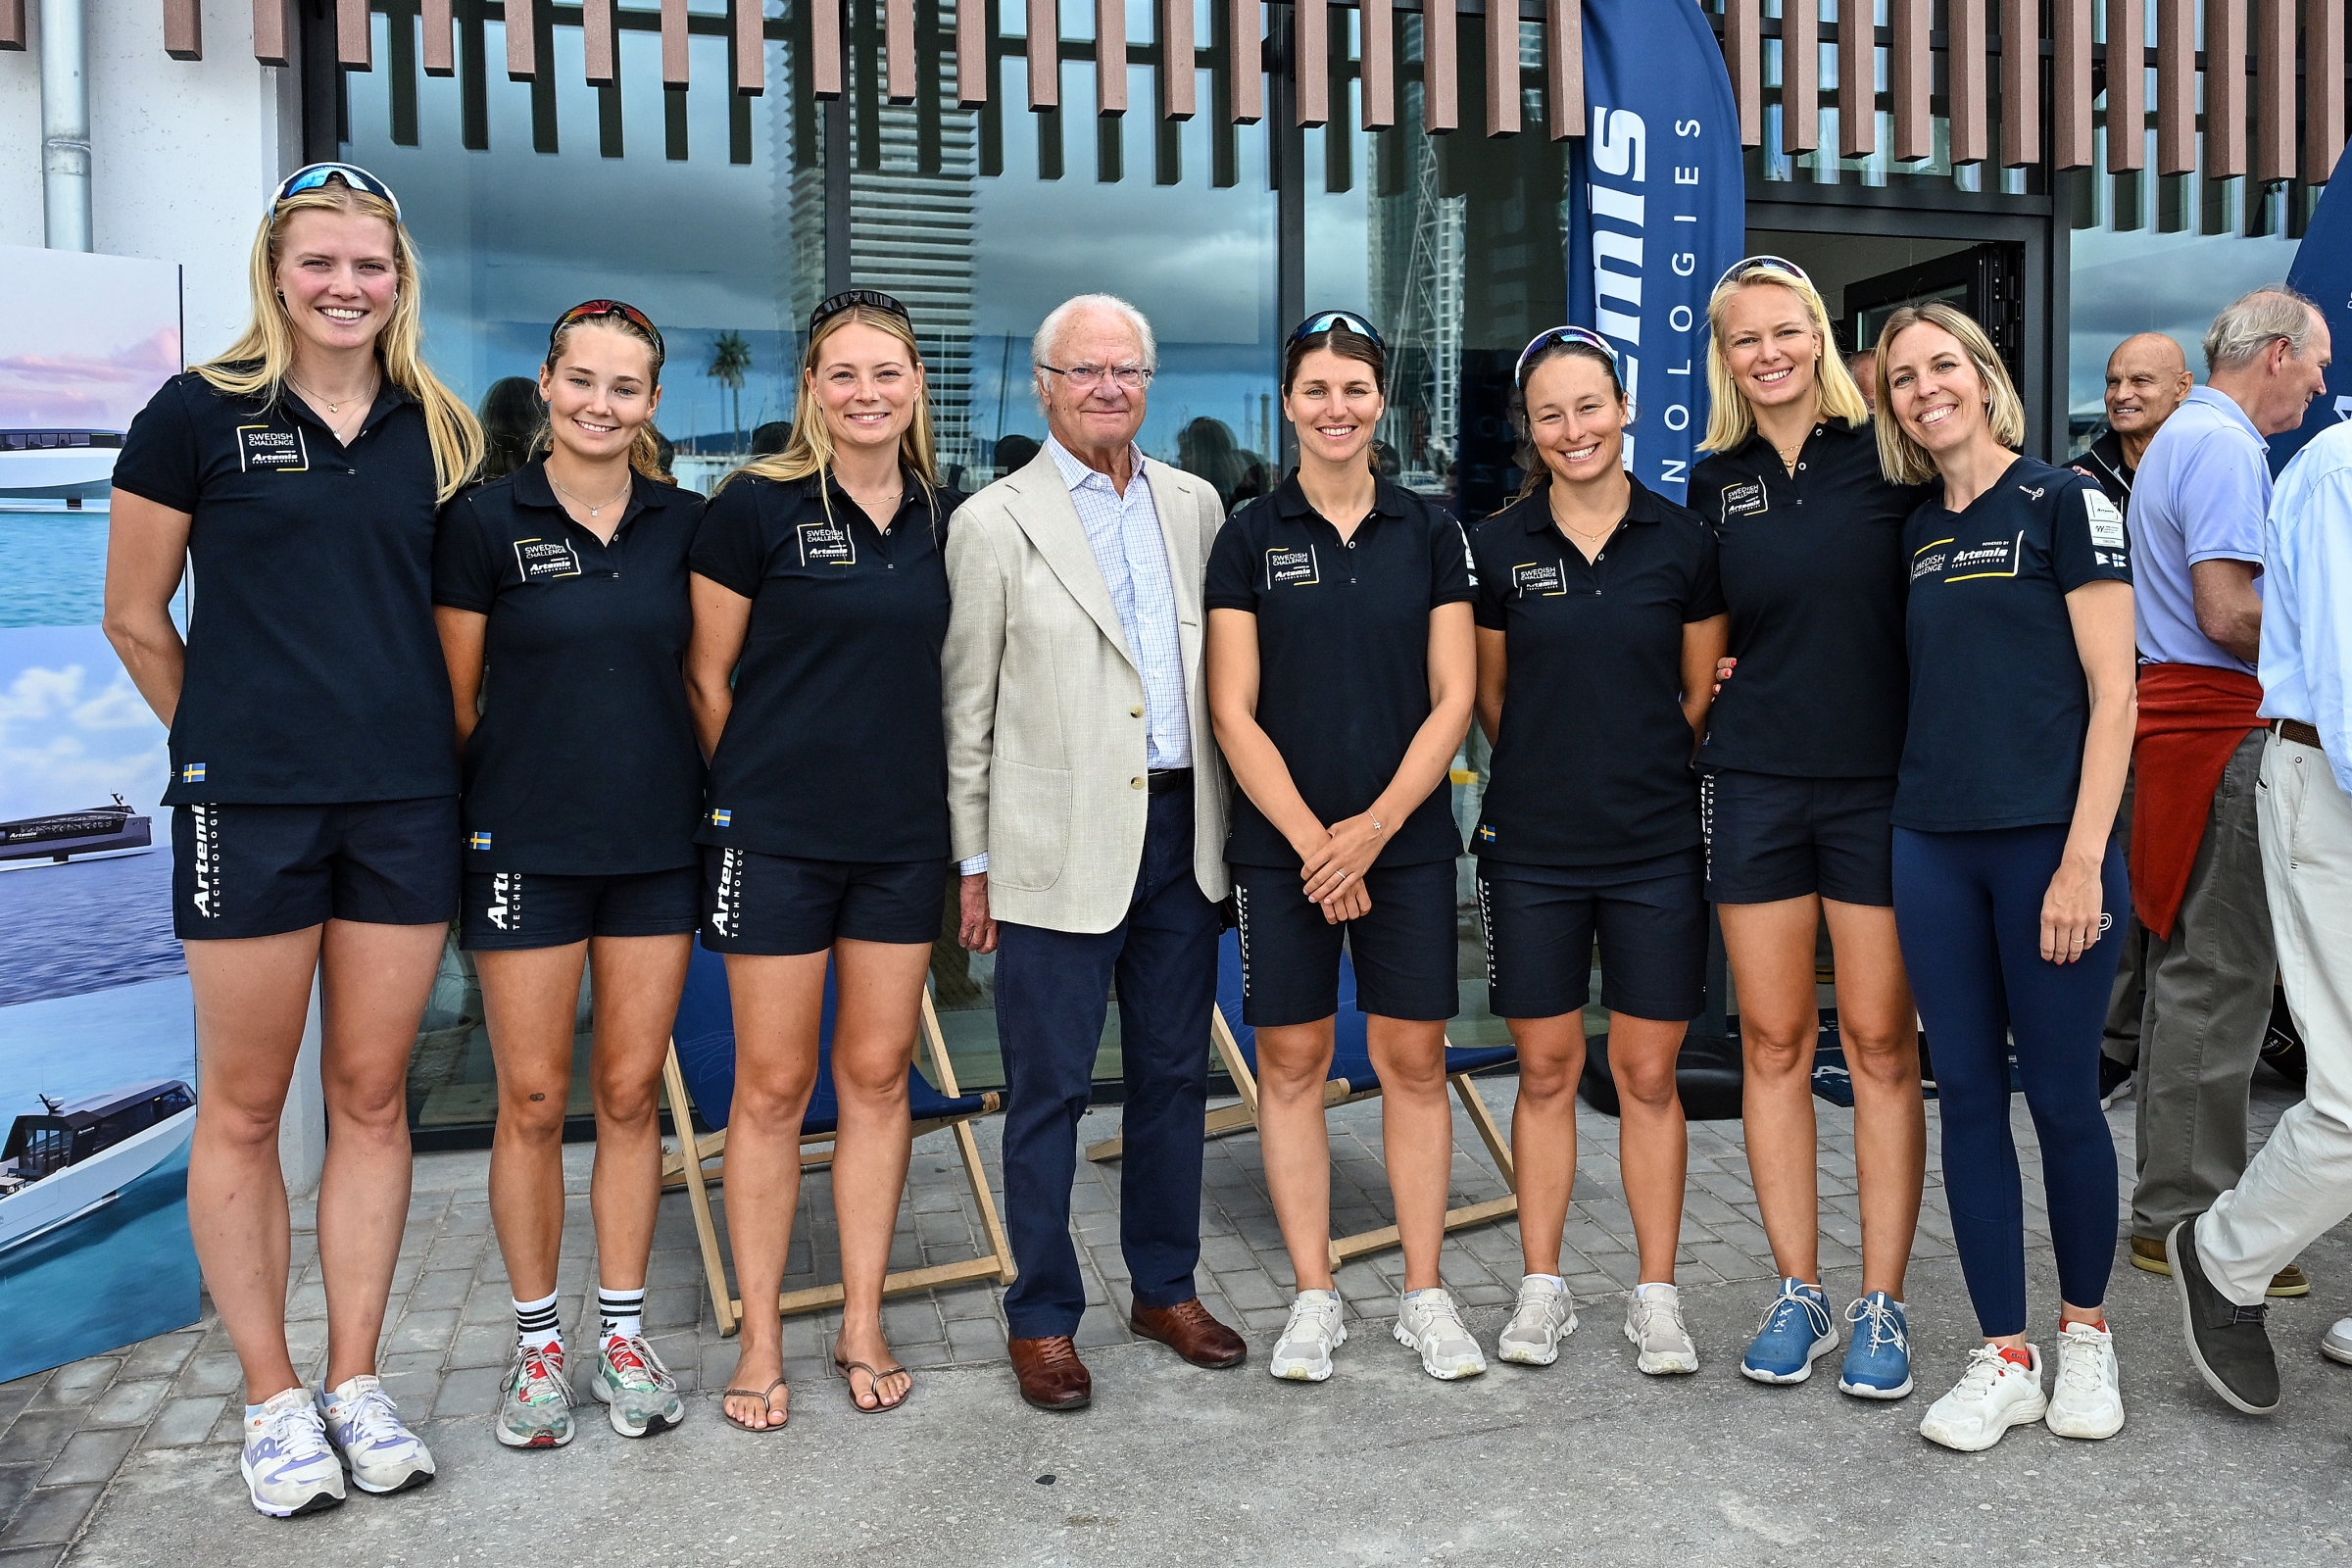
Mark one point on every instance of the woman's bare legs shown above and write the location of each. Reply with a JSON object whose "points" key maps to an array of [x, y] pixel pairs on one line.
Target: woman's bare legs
{"points": [[1878, 1023], [1416, 1136], [778, 1003], [1294, 1063], [1652, 1143], [880, 988], [1551, 1059], [638, 981], [252, 1000]]}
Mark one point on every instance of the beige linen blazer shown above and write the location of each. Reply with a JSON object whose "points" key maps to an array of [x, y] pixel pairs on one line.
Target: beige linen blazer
{"points": [[1044, 703]]}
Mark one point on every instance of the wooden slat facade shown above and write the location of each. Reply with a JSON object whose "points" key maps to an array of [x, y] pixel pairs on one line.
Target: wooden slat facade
{"points": [[11, 24], [2270, 101]]}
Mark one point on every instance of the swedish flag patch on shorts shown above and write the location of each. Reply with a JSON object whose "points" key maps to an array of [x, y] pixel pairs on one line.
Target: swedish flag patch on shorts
{"points": [[191, 773], [477, 841], [720, 818]]}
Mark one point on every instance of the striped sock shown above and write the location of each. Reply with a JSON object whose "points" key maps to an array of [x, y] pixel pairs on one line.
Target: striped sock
{"points": [[623, 1311], [537, 1325]]}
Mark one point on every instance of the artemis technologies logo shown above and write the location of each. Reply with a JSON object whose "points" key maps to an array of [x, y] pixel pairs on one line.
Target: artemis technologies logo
{"points": [[1619, 151], [506, 901], [728, 907], [207, 823]]}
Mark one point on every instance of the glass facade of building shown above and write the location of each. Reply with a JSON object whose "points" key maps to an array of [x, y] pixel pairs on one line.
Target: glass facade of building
{"points": [[726, 216]]}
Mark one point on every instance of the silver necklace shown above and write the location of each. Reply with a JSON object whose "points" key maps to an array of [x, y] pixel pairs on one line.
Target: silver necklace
{"points": [[595, 511], [333, 409]]}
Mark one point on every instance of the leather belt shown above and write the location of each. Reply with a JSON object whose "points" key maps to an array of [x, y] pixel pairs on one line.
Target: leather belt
{"points": [[2294, 730], [1168, 780]]}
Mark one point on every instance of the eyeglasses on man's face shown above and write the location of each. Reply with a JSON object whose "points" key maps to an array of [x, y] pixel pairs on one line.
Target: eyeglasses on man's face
{"points": [[1086, 377]]}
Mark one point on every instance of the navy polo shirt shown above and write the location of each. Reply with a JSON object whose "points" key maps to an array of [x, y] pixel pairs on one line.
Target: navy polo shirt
{"points": [[1998, 699], [836, 747], [1593, 764], [313, 672], [1343, 651], [1813, 571], [584, 761]]}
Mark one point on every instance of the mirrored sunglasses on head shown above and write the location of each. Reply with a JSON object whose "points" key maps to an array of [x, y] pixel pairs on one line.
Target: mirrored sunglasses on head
{"points": [[1775, 264], [1563, 336], [315, 177], [849, 299], [589, 308], [1325, 321]]}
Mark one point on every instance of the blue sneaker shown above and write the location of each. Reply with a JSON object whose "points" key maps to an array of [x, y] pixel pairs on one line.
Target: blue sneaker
{"points": [[1877, 1367], [1797, 1330]]}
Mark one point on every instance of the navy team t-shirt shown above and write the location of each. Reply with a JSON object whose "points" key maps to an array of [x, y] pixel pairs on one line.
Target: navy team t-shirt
{"points": [[1999, 703]]}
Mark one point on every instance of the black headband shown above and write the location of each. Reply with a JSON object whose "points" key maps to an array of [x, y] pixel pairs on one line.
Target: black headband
{"points": [[849, 299]]}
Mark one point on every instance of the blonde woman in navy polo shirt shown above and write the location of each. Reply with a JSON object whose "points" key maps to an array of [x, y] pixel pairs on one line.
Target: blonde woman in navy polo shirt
{"points": [[561, 594], [2007, 877], [314, 781], [1799, 762], [820, 603], [1600, 622], [1340, 672]]}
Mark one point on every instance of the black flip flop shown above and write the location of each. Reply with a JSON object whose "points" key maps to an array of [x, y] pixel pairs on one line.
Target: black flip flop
{"points": [[767, 1405], [874, 1378]]}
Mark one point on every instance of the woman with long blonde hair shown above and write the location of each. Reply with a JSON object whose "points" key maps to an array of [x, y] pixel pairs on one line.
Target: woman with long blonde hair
{"points": [[314, 781], [820, 605], [1798, 778]]}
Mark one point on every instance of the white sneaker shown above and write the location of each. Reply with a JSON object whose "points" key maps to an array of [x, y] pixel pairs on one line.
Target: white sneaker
{"points": [[1993, 1396], [1545, 1316], [377, 1446], [1303, 1352], [1654, 1321], [1427, 1322], [2337, 1344], [2086, 1399], [287, 1466]]}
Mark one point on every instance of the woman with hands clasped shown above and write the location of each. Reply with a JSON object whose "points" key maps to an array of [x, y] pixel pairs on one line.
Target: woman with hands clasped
{"points": [[2006, 873], [1340, 672], [1600, 622]]}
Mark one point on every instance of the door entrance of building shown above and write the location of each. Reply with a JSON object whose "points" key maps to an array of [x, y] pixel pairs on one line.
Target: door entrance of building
{"points": [[1985, 281]]}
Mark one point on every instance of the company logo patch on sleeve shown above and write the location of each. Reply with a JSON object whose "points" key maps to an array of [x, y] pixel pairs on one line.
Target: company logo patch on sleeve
{"points": [[1292, 568], [541, 559], [2105, 520], [265, 449]]}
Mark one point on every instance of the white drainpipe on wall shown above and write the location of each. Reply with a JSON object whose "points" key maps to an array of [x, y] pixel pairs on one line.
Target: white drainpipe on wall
{"points": [[64, 126]]}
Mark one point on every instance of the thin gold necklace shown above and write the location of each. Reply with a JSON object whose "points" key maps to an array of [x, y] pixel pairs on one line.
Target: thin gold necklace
{"points": [[333, 409], [595, 511]]}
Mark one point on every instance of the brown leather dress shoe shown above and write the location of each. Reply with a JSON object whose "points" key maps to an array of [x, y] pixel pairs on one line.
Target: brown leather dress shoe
{"points": [[1187, 1329], [1053, 1378]]}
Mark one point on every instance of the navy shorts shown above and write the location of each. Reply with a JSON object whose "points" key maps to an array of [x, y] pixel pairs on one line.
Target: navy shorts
{"points": [[1771, 837], [774, 905], [506, 910], [260, 871], [1541, 920], [1403, 948]]}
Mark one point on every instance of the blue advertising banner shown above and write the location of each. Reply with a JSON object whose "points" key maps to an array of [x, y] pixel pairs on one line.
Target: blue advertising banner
{"points": [[1657, 208], [2323, 273]]}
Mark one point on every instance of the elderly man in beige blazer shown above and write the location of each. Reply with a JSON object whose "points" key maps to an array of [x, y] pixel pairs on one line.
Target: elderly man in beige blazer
{"points": [[1089, 814]]}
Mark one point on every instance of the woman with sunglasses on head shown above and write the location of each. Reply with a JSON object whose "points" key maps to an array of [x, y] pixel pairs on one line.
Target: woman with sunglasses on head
{"points": [[1798, 777], [820, 603], [314, 781], [1600, 622], [1341, 673], [560, 595], [2006, 873]]}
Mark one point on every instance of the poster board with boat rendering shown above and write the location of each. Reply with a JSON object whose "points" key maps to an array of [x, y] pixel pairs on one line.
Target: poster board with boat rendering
{"points": [[97, 1025]]}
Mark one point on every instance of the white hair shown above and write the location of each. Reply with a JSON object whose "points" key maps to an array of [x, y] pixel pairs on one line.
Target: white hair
{"points": [[2249, 325], [1048, 331]]}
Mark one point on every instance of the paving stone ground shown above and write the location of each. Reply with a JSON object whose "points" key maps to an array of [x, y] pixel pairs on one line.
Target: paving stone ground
{"points": [[163, 1413]]}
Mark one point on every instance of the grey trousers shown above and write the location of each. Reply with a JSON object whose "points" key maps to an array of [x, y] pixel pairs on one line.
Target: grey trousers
{"points": [[2119, 1041], [2209, 1002]]}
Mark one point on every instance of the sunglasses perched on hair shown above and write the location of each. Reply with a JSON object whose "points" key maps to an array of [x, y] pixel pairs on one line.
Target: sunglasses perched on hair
{"points": [[849, 299], [315, 177], [592, 308], [1776, 263], [1563, 338], [1325, 321]]}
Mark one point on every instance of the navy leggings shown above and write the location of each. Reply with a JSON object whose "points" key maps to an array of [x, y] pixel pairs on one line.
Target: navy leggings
{"points": [[1968, 907]]}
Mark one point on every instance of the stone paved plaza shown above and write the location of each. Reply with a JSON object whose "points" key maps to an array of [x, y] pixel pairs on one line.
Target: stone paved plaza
{"points": [[130, 1458]]}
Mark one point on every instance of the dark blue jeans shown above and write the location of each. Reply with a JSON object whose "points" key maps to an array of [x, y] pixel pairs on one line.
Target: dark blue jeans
{"points": [[1052, 993], [1968, 908]]}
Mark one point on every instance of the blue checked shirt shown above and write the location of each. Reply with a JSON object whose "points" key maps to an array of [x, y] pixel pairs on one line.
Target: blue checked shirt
{"points": [[1133, 557]]}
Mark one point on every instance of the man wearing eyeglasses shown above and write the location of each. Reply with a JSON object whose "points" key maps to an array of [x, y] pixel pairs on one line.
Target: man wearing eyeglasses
{"points": [[1088, 805]]}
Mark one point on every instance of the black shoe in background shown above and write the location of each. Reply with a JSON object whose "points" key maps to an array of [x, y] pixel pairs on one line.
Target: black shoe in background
{"points": [[2228, 1342], [2115, 1079], [2283, 1043]]}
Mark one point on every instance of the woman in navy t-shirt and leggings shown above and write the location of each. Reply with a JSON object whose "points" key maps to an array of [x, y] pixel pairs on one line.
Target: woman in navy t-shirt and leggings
{"points": [[2006, 873]]}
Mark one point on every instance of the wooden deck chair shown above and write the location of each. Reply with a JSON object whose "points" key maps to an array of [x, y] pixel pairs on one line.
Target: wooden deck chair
{"points": [[702, 1060], [1352, 1079]]}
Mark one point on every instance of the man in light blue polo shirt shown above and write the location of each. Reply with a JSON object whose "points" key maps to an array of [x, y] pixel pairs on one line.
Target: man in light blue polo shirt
{"points": [[2196, 518], [2301, 1183]]}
